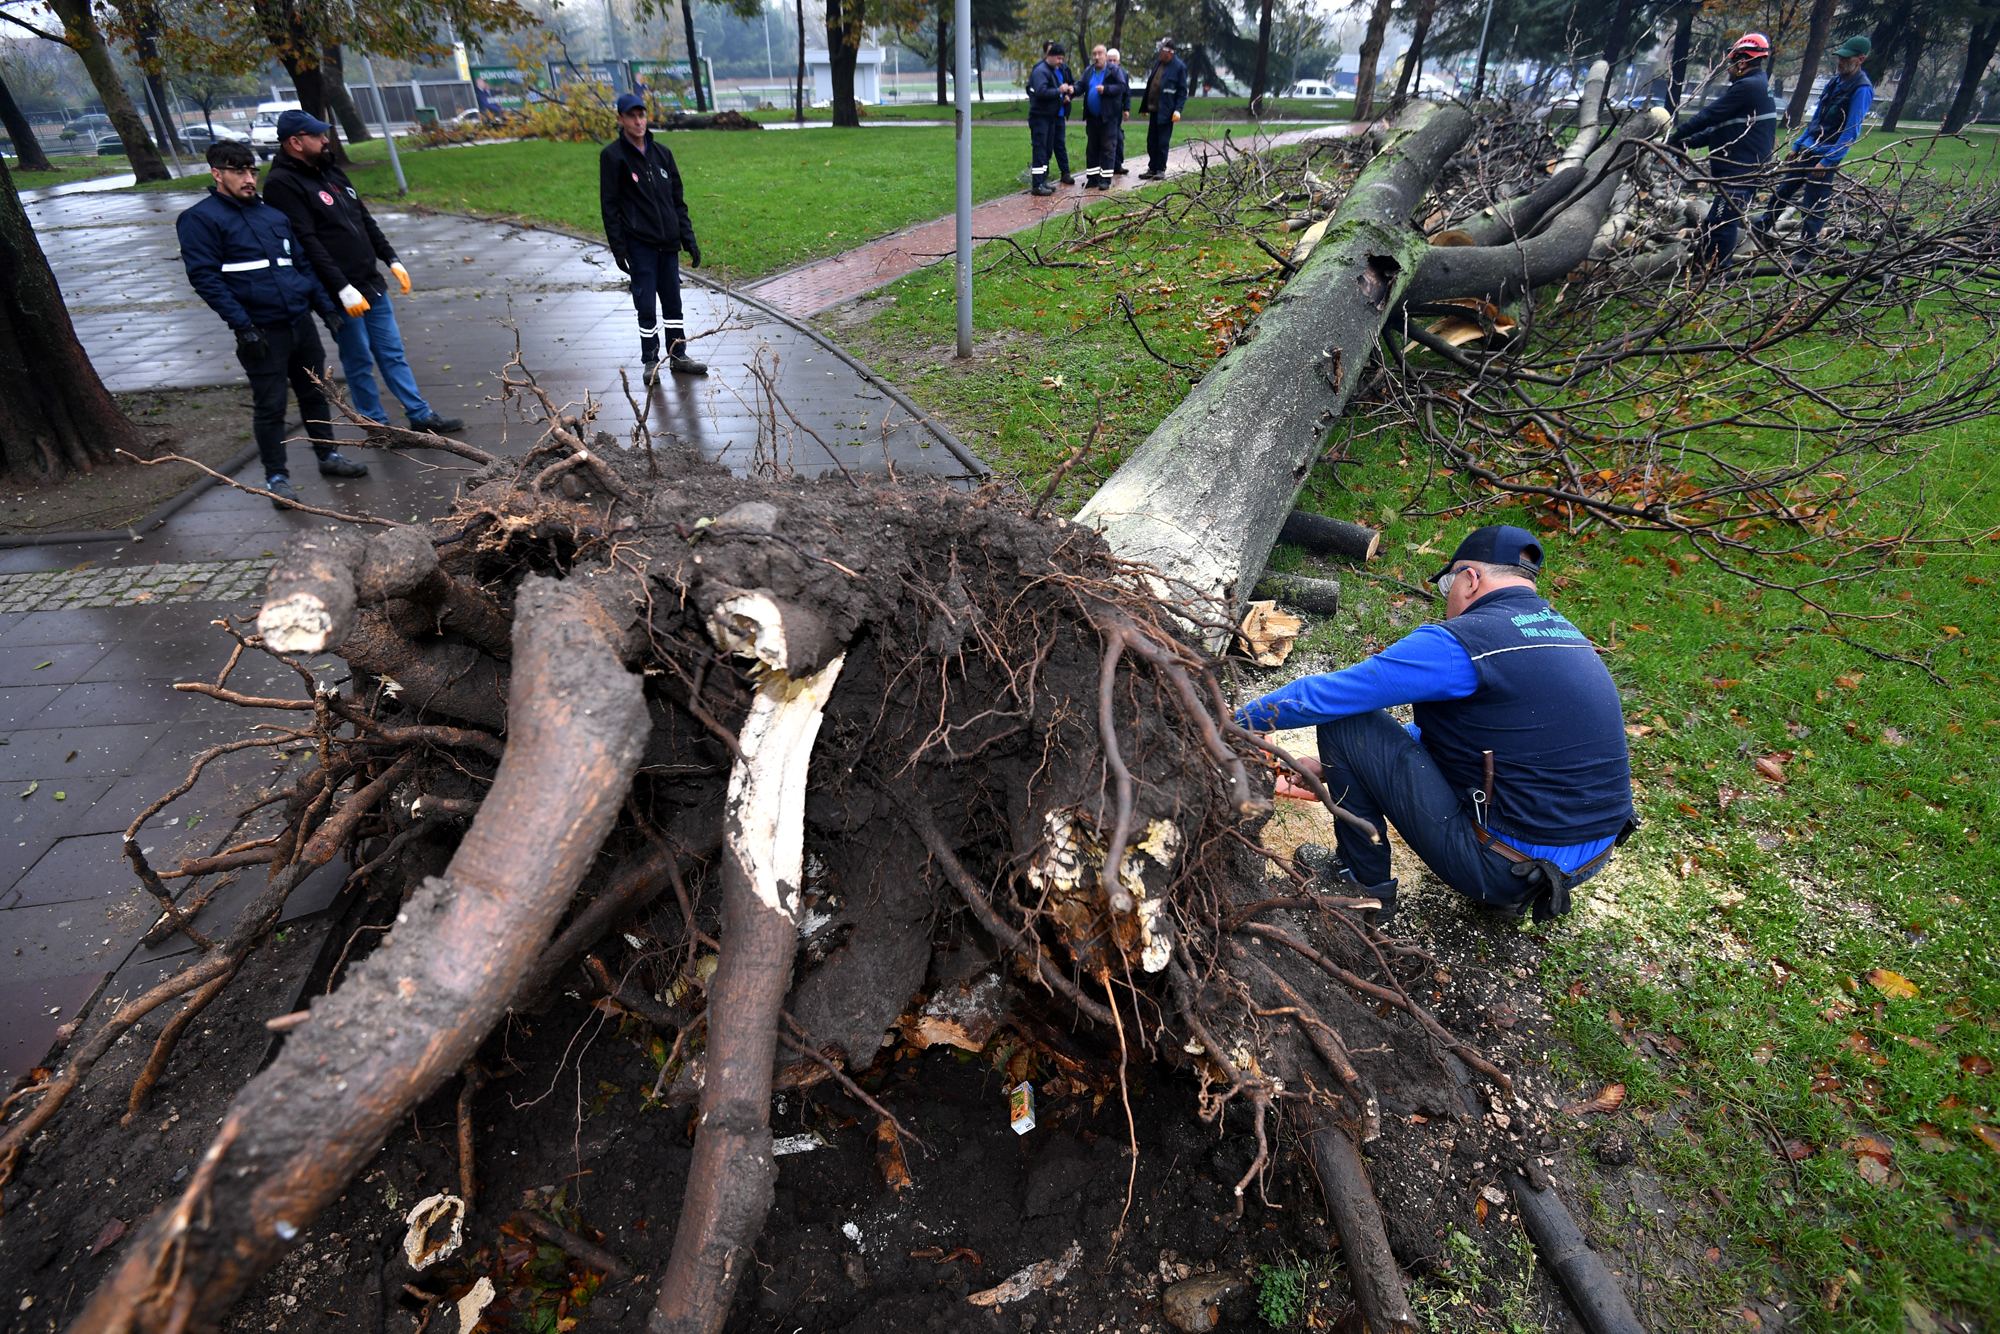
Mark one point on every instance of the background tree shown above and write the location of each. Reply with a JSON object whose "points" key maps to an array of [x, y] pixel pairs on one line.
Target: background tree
{"points": [[209, 91], [1983, 41], [1413, 60], [1371, 53], [81, 34], [335, 65], [845, 20], [56, 416], [27, 148]]}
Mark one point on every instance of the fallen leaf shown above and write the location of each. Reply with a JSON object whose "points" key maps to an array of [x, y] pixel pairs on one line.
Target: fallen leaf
{"points": [[1927, 1048], [889, 1155], [1930, 1139], [1763, 1052], [1479, 1209], [1797, 1150], [1637, 730], [1824, 1080], [1893, 985], [29, 790], [1673, 1044], [1578, 989], [1891, 737], [1848, 682], [1975, 1065], [1607, 1100], [1712, 1254], [1673, 565], [1688, 810], [1502, 1014], [1990, 1137], [1771, 769], [1867, 1146], [108, 1237], [1859, 1044]]}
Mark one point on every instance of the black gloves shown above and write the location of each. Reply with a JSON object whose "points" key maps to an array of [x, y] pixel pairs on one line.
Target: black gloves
{"points": [[252, 345], [333, 319], [624, 264], [1552, 900], [694, 253]]}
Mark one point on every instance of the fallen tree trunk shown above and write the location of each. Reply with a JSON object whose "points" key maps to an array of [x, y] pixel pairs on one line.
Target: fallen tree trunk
{"points": [[417, 1008], [1357, 1218], [1203, 498]]}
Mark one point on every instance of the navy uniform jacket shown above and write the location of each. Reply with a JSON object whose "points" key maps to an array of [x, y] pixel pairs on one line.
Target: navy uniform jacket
{"points": [[241, 259], [640, 196], [1045, 97], [1170, 94], [333, 227], [1738, 129]]}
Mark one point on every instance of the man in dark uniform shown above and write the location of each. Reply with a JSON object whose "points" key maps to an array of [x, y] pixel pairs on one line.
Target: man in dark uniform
{"points": [[1836, 123], [647, 226], [1166, 94], [1738, 129], [241, 260], [342, 242], [1048, 96], [1104, 98], [1514, 784], [1124, 114]]}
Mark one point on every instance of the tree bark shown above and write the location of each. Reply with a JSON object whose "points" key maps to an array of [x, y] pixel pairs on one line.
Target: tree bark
{"points": [[27, 147], [80, 27], [410, 1017], [1517, 217], [694, 56], [1615, 32], [943, 50], [1978, 55], [1330, 537], [1357, 1218], [1371, 52], [844, 19], [56, 416], [1913, 52], [334, 64], [1413, 63], [1204, 497], [1263, 69], [799, 89], [1817, 28], [1677, 70], [1118, 25]]}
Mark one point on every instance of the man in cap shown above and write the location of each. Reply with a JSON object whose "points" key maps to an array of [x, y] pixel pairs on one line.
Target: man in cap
{"points": [[342, 243], [240, 259], [1514, 784], [1835, 125], [1048, 99], [1739, 130], [1166, 93], [647, 226]]}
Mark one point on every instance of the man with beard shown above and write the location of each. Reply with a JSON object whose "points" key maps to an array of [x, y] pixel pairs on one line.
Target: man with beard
{"points": [[341, 242]]}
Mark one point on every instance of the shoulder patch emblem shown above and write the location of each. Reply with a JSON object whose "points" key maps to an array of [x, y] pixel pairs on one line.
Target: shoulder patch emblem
{"points": [[326, 198], [635, 175]]}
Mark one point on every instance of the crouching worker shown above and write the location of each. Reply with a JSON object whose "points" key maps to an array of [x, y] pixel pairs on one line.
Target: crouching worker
{"points": [[1514, 784]]}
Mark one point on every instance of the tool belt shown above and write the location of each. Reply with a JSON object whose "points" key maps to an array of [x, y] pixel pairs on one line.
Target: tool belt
{"points": [[1551, 882]]}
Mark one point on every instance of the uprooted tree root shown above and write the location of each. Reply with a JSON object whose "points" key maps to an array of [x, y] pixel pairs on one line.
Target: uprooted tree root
{"points": [[619, 665]]}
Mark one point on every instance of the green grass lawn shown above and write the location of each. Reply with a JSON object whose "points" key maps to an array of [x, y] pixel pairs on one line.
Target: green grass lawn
{"points": [[1762, 930], [68, 168]]}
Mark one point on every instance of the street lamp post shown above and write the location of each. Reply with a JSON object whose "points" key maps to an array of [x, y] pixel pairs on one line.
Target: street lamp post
{"points": [[962, 66]]}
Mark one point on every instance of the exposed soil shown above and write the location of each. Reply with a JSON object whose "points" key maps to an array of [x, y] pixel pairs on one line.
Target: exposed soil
{"points": [[212, 425]]}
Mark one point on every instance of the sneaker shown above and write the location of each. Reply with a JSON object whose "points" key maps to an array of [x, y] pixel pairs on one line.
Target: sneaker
{"points": [[651, 374], [281, 488], [436, 424], [333, 465], [682, 366]]}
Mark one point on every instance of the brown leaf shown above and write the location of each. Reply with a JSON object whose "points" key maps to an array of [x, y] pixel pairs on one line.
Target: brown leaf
{"points": [[1849, 682], [1891, 737], [1975, 1065], [889, 1155], [1797, 1150], [1502, 1014], [1673, 1044], [1713, 1254], [1763, 1052], [1673, 565], [1824, 1080], [1608, 1099], [1578, 989], [1479, 1209], [1930, 1139], [108, 1237], [1688, 810], [1637, 730], [1771, 768], [1867, 1146], [1990, 1137], [1893, 985]]}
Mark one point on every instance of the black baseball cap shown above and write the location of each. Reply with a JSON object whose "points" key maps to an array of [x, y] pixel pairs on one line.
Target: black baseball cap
{"points": [[1497, 544]]}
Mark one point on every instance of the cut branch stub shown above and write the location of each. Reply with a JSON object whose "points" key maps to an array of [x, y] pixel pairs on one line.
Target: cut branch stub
{"points": [[411, 1015], [321, 579]]}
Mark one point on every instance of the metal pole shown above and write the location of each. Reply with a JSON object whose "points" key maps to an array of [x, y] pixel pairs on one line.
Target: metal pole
{"points": [[382, 114], [770, 69], [1479, 63], [166, 125], [962, 74]]}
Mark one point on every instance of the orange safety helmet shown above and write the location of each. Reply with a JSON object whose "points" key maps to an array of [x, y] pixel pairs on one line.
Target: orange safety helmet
{"points": [[1751, 46]]}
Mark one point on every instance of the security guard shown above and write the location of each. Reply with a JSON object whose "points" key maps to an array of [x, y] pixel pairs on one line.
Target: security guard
{"points": [[241, 260], [1836, 123], [1739, 130], [1514, 785], [647, 225]]}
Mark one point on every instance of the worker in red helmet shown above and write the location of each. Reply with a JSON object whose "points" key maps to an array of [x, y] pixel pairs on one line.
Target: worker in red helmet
{"points": [[1739, 129]]}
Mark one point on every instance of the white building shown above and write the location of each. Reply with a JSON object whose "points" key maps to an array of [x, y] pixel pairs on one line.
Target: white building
{"points": [[867, 76]]}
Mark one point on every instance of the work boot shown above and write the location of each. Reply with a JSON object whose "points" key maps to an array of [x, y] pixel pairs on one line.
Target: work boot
{"points": [[650, 375], [1332, 877], [333, 465], [438, 425], [1068, 179], [1041, 190], [280, 486], [680, 365]]}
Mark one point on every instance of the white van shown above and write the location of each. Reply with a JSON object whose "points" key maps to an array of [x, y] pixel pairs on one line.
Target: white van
{"points": [[1311, 88], [264, 129]]}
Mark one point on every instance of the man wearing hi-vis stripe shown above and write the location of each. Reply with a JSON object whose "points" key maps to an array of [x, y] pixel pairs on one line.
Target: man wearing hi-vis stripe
{"points": [[242, 260], [647, 226]]}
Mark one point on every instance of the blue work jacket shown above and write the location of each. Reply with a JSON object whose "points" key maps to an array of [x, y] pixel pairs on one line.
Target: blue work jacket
{"points": [[240, 258], [1836, 121]]}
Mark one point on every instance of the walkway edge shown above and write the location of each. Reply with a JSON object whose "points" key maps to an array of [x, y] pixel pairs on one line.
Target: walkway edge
{"points": [[138, 531]]}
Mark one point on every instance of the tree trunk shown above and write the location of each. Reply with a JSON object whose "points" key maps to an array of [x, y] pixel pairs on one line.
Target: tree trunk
{"points": [[943, 50], [1888, 31], [1413, 63], [1204, 497], [80, 26], [1913, 52], [334, 66], [1371, 52], [27, 147], [844, 19], [1985, 39], [694, 56], [1677, 72], [56, 416], [1263, 70], [1118, 24], [311, 82], [799, 87], [1615, 32]]}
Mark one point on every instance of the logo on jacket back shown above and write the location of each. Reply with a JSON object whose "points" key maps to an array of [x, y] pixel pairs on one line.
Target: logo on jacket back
{"points": [[326, 199]]}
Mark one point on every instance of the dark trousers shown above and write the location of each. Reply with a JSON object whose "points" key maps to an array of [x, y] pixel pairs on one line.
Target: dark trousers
{"points": [[1375, 768], [1118, 147], [1813, 186], [1045, 137], [1725, 218], [656, 297], [1100, 138], [1159, 138], [294, 354]]}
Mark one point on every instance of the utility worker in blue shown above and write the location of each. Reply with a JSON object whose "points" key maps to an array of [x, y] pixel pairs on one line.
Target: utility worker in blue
{"points": [[1514, 784], [1105, 94], [1739, 129], [1166, 93], [241, 259], [1048, 98], [646, 224], [1836, 123]]}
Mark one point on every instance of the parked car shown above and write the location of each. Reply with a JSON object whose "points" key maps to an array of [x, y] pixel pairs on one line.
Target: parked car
{"points": [[1311, 88], [264, 129], [199, 138]]}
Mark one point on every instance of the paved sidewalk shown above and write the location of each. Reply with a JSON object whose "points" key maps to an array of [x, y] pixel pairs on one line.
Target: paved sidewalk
{"points": [[814, 287]]}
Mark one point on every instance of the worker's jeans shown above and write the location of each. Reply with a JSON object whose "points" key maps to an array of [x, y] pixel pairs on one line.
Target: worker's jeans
{"points": [[656, 298], [370, 340], [1725, 218], [1159, 138], [294, 354], [1814, 187], [1375, 768]]}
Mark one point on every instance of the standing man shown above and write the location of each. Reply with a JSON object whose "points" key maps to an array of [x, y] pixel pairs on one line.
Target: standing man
{"points": [[1166, 94], [1124, 114], [1738, 129], [647, 226], [1047, 96], [341, 242], [1835, 125], [1514, 784], [1104, 95], [240, 259]]}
